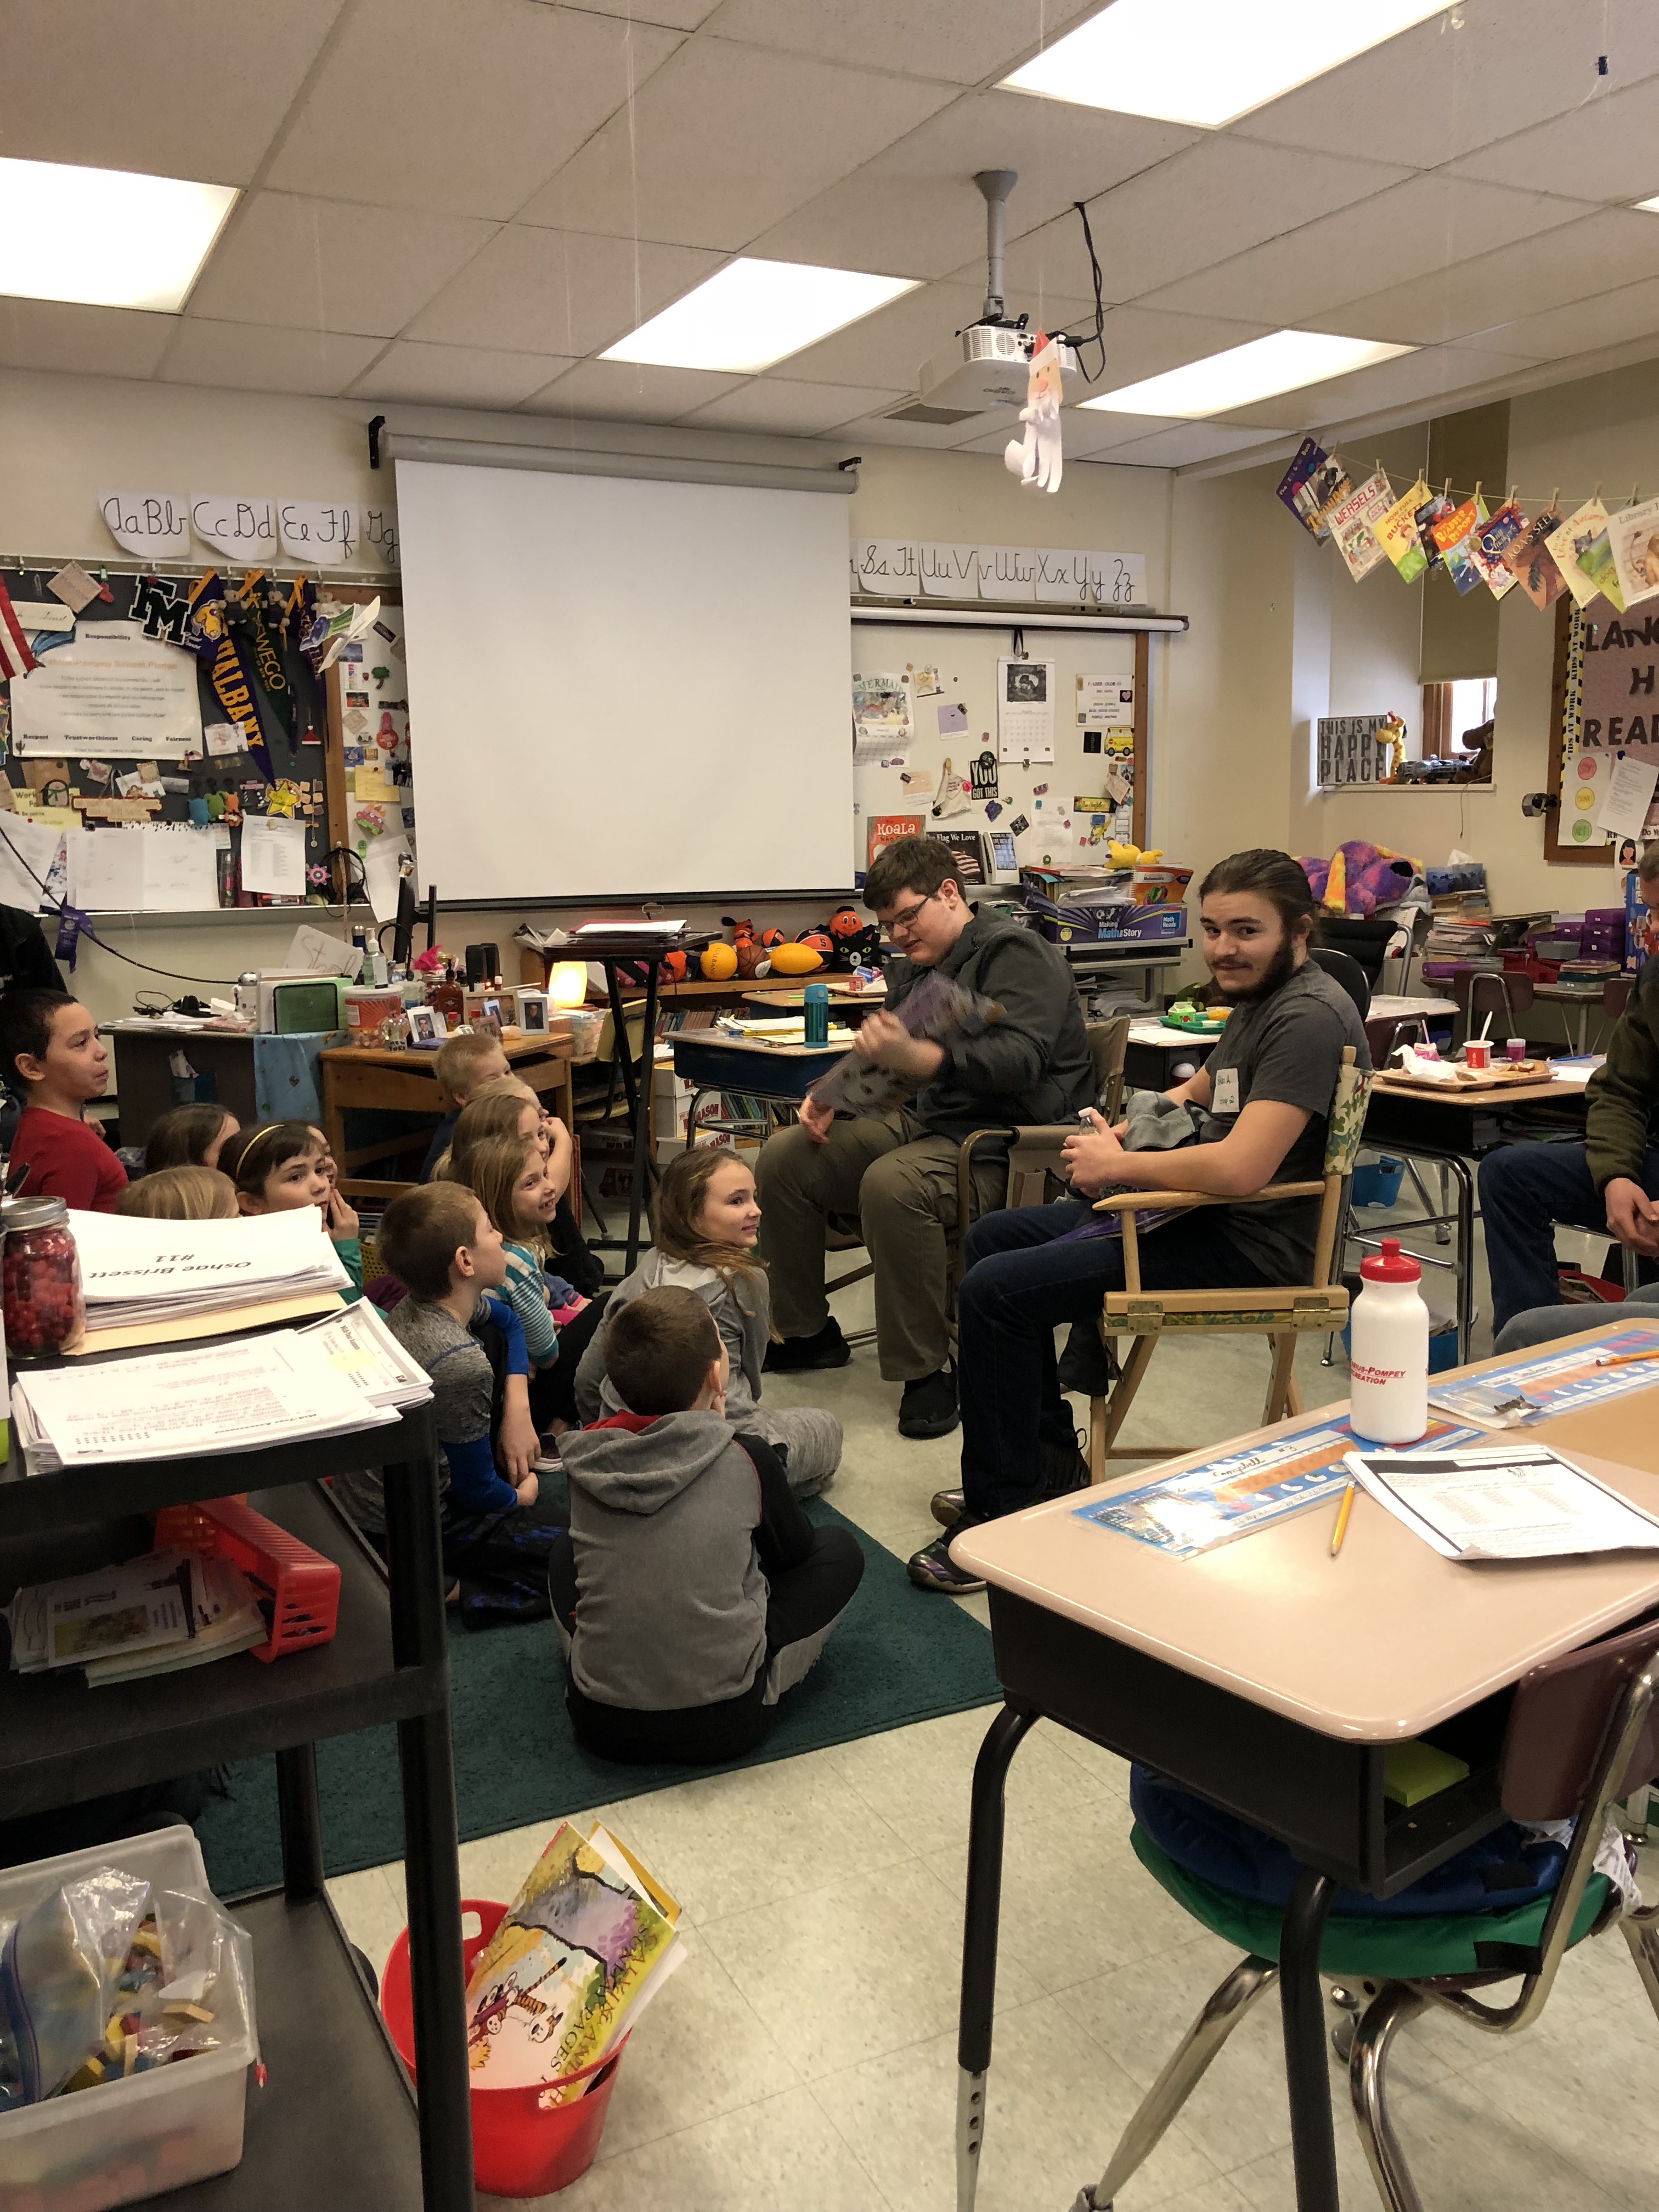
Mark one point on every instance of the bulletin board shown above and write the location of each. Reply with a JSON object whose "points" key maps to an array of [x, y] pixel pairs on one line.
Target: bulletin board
{"points": [[1604, 707], [201, 789], [945, 732]]}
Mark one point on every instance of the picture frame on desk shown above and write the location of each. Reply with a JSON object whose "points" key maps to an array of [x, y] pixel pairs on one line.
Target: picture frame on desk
{"points": [[426, 1027]]}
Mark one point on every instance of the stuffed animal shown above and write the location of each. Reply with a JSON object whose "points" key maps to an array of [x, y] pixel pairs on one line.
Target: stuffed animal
{"points": [[747, 946], [1127, 856], [673, 967], [855, 940], [816, 940], [1358, 877]]}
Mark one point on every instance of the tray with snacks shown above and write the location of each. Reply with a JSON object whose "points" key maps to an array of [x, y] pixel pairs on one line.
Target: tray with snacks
{"points": [[1503, 1075]]}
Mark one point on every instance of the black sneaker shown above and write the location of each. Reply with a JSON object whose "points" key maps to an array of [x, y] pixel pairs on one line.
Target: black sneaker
{"points": [[946, 1507], [1087, 1367], [795, 1355], [933, 1569], [1063, 1466], [929, 1407]]}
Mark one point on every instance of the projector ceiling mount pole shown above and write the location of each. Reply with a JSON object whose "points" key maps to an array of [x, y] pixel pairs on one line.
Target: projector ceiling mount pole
{"points": [[996, 184]]}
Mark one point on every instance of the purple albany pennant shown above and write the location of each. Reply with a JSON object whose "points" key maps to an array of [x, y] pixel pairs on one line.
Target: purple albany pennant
{"points": [[212, 640]]}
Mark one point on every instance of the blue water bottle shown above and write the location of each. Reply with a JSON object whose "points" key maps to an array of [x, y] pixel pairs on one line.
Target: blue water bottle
{"points": [[816, 1010]]}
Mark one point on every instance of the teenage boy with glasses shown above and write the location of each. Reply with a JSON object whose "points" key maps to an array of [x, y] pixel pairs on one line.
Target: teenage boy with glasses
{"points": [[896, 1171]]}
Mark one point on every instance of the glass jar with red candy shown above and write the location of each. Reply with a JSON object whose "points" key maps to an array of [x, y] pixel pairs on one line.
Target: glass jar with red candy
{"points": [[40, 1278]]}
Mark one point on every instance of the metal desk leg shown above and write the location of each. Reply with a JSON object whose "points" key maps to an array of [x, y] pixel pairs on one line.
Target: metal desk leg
{"points": [[646, 1107], [1465, 1279], [301, 1819], [431, 1868], [1313, 2140], [978, 1941]]}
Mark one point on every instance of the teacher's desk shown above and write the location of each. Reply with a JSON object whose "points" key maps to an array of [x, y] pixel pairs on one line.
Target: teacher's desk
{"points": [[370, 1080]]}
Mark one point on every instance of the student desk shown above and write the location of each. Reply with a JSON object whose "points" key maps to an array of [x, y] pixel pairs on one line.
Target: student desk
{"points": [[1269, 1678], [780, 1074], [1155, 1048], [255, 1075], [372, 1080], [1455, 1128]]}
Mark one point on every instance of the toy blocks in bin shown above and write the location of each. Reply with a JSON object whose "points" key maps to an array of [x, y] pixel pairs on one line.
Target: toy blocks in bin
{"points": [[298, 1590]]}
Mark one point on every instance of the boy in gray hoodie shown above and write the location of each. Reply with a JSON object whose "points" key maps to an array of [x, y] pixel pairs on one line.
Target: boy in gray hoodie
{"points": [[692, 1590]]}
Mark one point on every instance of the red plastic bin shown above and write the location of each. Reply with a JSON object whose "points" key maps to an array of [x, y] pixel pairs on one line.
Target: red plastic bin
{"points": [[521, 2147], [298, 1587]]}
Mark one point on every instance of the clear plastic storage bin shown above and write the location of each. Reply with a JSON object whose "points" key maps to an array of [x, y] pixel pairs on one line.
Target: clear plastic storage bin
{"points": [[129, 2139]]}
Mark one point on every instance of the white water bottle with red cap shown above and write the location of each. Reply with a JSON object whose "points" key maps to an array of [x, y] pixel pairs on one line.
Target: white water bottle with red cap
{"points": [[1388, 1354]]}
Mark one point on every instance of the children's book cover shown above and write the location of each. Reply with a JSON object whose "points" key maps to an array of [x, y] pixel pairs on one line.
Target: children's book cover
{"points": [[1577, 534], [1397, 533], [548, 1991], [1530, 558], [1454, 534], [1353, 525], [1432, 509], [1634, 536], [1314, 485]]}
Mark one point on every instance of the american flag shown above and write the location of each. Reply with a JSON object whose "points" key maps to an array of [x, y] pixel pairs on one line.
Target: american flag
{"points": [[15, 659]]}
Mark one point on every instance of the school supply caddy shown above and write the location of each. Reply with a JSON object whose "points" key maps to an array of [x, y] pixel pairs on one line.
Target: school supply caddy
{"points": [[1522, 1503], [1197, 1508]]}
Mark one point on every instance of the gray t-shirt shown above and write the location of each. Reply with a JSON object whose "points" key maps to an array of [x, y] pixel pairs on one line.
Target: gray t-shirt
{"points": [[1288, 1049]]}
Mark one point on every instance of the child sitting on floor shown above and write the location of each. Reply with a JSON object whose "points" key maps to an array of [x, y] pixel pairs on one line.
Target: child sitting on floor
{"points": [[437, 1241], [509, 1107], [520, 1191], [692, 1590], [188, 1137], [463, 1066], [186, 1194], [708, 1220], [280, 1165], [49, 1051]]}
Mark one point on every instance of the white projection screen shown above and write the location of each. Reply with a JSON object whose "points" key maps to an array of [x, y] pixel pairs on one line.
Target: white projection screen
{"points": [[623, 690]]}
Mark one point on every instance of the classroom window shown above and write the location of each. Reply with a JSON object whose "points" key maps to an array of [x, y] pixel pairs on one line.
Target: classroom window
{"points": [[1451, 711]]}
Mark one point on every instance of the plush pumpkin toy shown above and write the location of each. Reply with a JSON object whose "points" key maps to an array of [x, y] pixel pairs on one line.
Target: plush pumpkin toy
{"points": [[855, 940]]}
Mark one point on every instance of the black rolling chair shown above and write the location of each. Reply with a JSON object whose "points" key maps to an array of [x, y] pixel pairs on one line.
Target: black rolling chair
{"points": [[1342, 968], [1366, 941]]}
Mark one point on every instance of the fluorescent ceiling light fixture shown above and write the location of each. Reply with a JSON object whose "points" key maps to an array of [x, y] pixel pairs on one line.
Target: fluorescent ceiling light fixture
{"points": [[1205, 62], [1282, 362], [751, 312], [105, 238]]}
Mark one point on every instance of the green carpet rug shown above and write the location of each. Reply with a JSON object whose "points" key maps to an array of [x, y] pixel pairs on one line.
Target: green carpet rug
{"points": [[899, 1655]]}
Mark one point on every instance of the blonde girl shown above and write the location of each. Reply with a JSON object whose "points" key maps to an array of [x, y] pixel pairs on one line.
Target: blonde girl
{"points": [[515, 1185], [708, 1220], [185, 1193]]}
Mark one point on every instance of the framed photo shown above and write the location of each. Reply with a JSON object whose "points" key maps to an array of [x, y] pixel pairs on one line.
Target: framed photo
{"points": [[533, 1012], [491, 1011], [426, 1025]]}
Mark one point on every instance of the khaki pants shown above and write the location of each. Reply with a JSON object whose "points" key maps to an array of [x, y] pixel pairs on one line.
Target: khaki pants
{"points": [[900, 1181]]}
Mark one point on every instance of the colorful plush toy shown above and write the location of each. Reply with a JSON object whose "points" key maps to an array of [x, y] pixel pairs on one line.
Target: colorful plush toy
{"points": [[1126, 856], [747, 946], [816, 940], [672, 968], [854, 939], [1358, 877]]}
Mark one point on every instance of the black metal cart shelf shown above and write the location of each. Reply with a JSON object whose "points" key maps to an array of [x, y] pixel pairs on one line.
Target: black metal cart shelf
{"points": [[336, 2123]]}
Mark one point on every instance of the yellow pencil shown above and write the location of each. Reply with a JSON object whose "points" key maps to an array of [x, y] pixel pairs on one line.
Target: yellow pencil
{"points": [[1343, 1511], [1627, 1358]]}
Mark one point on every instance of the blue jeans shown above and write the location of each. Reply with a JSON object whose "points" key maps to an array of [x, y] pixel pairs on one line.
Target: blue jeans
{"points": [[1020, 1285], [1525, 1189]]}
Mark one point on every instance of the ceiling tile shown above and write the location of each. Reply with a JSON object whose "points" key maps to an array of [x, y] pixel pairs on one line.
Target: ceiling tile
{"points": [[1434, 375], [157, 88], [626, 390], [1142, 341], [887, 348], [1606, 149], [1614, 319], [337, 265], [1579, 259], [1084, 435], [800, 411], [462, 106], [914, 210], [1479, 71], [1182, 443], [82, 341], [726, 140], [877, 430], [677, 14], [1215, 199], [553, 291], [457, 376], [253, 357], [1427, 224], [962, 40]]}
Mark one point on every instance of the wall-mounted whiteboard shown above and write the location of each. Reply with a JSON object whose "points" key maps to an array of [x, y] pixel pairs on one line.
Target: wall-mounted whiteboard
{"points": [[621, 688]]}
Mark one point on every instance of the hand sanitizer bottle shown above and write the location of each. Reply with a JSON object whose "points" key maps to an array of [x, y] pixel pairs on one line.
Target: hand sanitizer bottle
{"points": [[1389, 1402]]}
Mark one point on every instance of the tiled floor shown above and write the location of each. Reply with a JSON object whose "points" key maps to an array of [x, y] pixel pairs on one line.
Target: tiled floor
{"points": [[805, 2059]]}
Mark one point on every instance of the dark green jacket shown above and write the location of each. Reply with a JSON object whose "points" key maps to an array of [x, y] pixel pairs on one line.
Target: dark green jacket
{"points": [[1623, 1096], [1031, 1066]]}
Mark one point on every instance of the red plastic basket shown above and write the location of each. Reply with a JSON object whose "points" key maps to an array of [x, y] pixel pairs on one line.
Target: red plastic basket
{"points": [[300, 1586], [521, 2147]]}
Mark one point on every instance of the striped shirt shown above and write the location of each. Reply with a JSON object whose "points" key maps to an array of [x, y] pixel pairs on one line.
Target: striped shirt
{"points": [[527, 1293]]}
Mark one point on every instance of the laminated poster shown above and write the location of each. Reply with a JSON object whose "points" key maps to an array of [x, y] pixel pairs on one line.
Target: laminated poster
{"points": [[1353, 524], [1397, 533]]}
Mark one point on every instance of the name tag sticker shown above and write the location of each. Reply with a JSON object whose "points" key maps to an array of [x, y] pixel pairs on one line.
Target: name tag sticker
{"points": [[1224, 1091]]}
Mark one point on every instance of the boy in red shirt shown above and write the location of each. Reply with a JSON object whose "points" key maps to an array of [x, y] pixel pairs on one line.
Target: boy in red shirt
{"points": [[49, 1048]]}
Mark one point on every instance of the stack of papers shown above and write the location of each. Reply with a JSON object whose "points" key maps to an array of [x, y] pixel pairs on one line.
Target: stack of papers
{"points": [[1521, 1504], [166, 1611], [235, 1394], [135, 1272]]}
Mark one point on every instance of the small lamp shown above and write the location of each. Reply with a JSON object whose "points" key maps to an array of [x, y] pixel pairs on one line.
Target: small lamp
{"points": [[566, 985]]}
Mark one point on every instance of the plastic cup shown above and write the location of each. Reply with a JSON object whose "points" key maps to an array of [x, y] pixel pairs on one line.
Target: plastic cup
{"points": [[1514, 1048], [1477, 1056]]}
